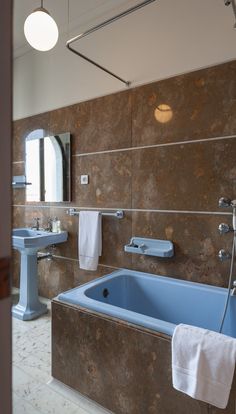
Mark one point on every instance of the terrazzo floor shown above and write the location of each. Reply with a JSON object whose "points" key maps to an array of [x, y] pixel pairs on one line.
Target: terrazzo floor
{"points": [[34, 390]]}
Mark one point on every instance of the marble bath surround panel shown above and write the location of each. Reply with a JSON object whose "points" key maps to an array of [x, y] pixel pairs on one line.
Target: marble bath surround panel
{"points": [[121, 366], [167, 176]]}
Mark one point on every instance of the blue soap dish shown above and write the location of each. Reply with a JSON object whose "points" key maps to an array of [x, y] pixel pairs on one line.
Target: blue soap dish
{"points": [[150, 247]]}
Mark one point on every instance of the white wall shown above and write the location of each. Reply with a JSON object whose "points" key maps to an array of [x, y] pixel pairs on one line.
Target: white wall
{"points": [[163, 39]]}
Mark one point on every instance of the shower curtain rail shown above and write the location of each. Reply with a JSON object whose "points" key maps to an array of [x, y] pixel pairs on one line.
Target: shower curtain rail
{"points": [[118, 214], [100, 26]]}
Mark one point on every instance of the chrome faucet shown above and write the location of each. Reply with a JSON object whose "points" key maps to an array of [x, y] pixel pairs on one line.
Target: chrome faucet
{"points": [[36, 223], [233, 290]]}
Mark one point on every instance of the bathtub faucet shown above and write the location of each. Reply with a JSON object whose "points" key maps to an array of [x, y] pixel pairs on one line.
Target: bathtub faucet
{"points": [[233, 290]]}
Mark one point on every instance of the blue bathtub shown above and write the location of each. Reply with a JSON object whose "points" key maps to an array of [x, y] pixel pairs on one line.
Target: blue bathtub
{"points": [[155, 302]]}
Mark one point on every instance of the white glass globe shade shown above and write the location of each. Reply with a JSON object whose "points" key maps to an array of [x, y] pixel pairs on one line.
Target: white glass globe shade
{"points": [[41, 30]]}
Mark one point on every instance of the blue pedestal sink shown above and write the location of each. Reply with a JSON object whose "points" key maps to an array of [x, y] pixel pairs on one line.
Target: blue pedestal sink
{"points": [[28, 242]]}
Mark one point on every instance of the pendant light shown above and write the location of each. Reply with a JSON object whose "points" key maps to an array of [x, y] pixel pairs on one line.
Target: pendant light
{"points": [[41, 30]]}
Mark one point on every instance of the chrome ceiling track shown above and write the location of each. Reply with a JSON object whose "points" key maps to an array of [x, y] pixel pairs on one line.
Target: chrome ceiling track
{"points": [[233, 4], [100, 26]]}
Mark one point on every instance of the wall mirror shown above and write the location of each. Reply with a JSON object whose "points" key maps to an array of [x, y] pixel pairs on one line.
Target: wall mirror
{"points": [[47, 167]]}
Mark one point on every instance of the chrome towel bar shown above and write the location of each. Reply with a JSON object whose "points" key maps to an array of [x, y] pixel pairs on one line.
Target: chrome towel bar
{"points": [[118, 214]]}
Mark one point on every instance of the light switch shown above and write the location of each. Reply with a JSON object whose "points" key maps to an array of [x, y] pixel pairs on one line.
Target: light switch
{"points": [[84, 179]]}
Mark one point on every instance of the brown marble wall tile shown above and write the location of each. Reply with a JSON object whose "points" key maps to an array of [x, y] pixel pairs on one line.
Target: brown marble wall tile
{"points": [[63, 120], [59, 275], [122, 367], [196, 242], [18, 214], [18, 168], [96, 125], [109, 180], [184, 177], [18, 194], [22, 128], [24, 216], [115, 234], [202, 103], [42, 213]]}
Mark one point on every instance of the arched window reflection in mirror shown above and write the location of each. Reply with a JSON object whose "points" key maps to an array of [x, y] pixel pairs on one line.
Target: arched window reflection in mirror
{"points": [[47, 166]]}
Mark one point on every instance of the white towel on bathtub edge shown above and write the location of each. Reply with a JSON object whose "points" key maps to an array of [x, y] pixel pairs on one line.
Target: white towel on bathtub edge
{"points": [[90, 239], [203, 364]]}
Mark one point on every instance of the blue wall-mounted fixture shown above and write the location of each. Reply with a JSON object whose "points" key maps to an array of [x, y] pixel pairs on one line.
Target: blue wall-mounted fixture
{"points": [[150, 247], [19, 181]]}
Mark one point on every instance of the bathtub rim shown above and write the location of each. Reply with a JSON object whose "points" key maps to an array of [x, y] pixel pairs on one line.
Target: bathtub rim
{"points": [[154, 324]]}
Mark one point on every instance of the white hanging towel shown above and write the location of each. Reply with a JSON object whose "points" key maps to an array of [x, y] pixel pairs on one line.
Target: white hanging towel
{"points": [[90, 239], [203, 364]]}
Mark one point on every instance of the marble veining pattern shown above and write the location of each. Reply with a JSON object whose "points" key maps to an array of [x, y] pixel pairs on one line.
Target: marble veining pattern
{"points": [[182, 174], [122, 366]]}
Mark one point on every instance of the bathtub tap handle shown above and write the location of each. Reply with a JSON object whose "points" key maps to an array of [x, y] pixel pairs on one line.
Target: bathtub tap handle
{"points": [[224, 202], [233, 291], [224, 228], [223, 255]]}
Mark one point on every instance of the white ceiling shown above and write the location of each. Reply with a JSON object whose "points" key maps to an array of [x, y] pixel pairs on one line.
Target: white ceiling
{"points": [[80, 14], [212, 15]]}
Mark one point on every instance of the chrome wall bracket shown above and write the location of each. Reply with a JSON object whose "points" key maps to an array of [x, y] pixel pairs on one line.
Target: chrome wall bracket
{"points": [[100, 26], [223, 255]]}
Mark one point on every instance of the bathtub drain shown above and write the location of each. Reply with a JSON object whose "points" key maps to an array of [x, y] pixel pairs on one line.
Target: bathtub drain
{"points": [[105, 293]]}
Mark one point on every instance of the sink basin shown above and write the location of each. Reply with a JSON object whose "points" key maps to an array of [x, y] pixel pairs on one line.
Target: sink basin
{"points": [[25, 237], [28, 242]]}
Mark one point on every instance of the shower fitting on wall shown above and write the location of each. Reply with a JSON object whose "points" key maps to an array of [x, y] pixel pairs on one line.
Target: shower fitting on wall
{"points": [[225, 228], [233, 3], [225, 203], [100, 26]]}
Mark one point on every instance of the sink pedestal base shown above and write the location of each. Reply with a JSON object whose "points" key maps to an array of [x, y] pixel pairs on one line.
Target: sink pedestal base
{"points": [[29, 307]]}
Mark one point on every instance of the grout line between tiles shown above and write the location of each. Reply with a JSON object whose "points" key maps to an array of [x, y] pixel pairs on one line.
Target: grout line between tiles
{"points": [[167, 144], [76, 260], [215, 213]]}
